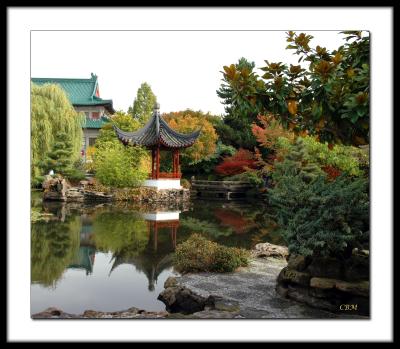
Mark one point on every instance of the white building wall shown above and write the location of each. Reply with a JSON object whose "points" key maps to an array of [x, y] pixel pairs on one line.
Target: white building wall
{"points": [[163, 183], [87, 132]]}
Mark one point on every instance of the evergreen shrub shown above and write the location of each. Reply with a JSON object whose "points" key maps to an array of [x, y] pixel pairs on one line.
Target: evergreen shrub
{"points": [[198, 254]]}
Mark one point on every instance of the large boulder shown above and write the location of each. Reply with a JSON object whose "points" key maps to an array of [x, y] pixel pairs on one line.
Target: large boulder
{"points": [[55, 189], [357, 268], [269, 250], [326, 267], [297, 262], [294, 277], [180, 299]]}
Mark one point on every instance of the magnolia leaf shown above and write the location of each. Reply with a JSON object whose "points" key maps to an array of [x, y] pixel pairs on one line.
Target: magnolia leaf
{"points": [[292, 106]]}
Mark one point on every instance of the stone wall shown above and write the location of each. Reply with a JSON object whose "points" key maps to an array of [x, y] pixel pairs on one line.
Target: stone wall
{"points": [[327, 283], [59, 189]]}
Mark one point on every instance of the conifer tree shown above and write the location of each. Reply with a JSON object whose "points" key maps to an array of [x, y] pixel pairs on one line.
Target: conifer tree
{"points": [[59, 158], [295, 164]]}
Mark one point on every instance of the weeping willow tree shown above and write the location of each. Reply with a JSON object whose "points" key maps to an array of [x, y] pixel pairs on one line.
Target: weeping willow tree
{"points": [[52, 112]]}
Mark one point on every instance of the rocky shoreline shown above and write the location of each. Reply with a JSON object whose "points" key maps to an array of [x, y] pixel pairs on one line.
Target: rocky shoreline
{"points": [[58, 189], [248, 293]]}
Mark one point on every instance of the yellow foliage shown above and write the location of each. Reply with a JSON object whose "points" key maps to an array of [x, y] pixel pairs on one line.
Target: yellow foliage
{"points": [[189, 121]]}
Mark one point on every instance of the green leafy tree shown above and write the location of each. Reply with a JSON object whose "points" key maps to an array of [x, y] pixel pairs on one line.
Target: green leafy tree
{"points": [[238, 92], [54, 245], [143, 104], [328, 98], [59, 158], [115, 164], [51, 112]]}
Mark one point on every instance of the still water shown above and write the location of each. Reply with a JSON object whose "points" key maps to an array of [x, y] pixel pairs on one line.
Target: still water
{"points": [[111, 257]]}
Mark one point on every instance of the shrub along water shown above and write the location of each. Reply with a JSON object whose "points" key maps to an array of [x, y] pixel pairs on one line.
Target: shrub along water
{"points": [[199, 254]]}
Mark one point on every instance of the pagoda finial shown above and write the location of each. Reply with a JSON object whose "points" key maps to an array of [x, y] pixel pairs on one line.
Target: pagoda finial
{"points": [[156, 106]]}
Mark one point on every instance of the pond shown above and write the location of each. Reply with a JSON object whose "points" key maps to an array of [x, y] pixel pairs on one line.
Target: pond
{"points": [[110, 257]]}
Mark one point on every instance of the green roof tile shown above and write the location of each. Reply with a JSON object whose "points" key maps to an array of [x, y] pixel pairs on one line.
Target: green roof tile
{"points": [[81, 92], [92, 123]]}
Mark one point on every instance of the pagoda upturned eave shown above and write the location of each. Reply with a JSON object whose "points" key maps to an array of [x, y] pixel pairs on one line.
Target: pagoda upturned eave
{"points": [[157, 132]]}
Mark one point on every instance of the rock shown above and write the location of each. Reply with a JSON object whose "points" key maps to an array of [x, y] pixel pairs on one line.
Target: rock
{"points": [[269, 250], [75, 194], [222, 304], [355, 288], [179, 299], [325, 293], [326, 268], [322, 283], [55, 189], [292, 276], [297, 262], [170, 282], [357, 268], [47, 181], [83, 183], [97, 196], [53, 313], [302, 295], [214, 314], [131, 313], [281, 290]]}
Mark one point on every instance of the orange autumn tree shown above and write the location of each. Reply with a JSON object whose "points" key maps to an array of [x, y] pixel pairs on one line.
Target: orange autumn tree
{"points": [[268, 135], [270, 130], [188, 121]]}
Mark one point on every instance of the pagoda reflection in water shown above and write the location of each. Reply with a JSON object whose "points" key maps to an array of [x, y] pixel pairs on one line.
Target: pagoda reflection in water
{"points": [[157, 257]]}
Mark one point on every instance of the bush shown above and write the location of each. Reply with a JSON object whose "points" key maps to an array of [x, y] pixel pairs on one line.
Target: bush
{"points": [[185, 183], [251, 176], [199, 254], [237, 163], [76, 175], [322, 218], [318, 217], [116, 166], [347, 159]]}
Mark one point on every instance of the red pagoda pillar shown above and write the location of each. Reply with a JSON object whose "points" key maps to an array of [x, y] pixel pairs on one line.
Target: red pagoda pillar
{"points": [[157, 162], [175, 163]]}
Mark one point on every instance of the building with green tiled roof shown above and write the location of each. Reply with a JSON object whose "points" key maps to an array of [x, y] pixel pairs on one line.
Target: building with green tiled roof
{"points": [[84, 95]]}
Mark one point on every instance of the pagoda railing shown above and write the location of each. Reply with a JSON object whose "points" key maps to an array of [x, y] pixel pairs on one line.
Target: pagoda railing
{"points": [[167, 175]]}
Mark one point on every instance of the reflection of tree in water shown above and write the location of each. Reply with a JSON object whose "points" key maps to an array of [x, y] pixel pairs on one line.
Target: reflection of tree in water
{"points": [[233, 223], [120, 231], [53, 246], [194, 225]]}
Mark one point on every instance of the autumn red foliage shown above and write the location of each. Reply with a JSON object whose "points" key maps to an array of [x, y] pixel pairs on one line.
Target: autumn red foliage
{"points": [[331, 171], [236, 163], [234, 220]]}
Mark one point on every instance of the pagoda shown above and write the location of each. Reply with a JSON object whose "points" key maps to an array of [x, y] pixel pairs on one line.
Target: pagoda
{"points": [[156, 136]]}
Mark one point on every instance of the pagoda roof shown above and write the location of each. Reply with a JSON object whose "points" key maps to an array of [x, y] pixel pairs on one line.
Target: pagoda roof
{"points": [[80, 92], [157, 132]]}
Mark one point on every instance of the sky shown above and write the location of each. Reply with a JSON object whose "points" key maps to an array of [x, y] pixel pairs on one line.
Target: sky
{"points": [[183, 68]]}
